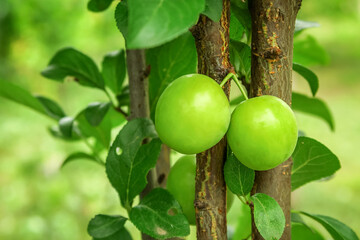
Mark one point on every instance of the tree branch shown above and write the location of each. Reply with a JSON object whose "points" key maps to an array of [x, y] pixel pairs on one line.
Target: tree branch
{"points": [[212, 41], [273, 23]]}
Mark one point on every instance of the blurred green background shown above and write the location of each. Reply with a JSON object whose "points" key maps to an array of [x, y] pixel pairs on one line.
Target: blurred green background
{"points": [[38, 200]]}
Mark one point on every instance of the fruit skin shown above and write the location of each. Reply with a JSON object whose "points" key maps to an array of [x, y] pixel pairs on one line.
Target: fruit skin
{"points": [[181, 184], [262, 132], [192, 114]]}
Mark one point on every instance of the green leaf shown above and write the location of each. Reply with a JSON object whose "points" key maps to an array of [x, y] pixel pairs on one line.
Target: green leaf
{"points": [[114, 70], [309, 76], [122, 234], [296, 218], [101, 132], [40, 104], [313, 106], [312, 161], [69, 62], [95, 112], [168, 63], [102, 226], [52, 108], [308, 52], [238, 177], [121, 17], [337, 229], [241, 58], [301, 25], [55, 132], [237, 100], [268, 216], [129, 161], [80, 155], [300, 231], [152, 23], [213, 9], [242, 13], [66, 126], [98, 5], [236, 29], [160, 216], [20, 95]]}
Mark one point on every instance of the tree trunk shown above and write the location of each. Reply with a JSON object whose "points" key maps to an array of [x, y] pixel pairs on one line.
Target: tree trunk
{"points": [[273, 23], [212, 41], [139, 107]]}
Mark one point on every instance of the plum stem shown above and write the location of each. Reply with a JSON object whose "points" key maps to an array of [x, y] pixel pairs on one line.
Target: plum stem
{"points": [[237, 81]]}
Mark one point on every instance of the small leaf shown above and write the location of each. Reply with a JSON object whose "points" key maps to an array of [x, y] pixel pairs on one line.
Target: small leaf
{"points": [[102, 226], [152, 216], [129, 161], [313, 106], [152, 23], [51, 107], [122, 234], [236, 29], [237, 100], [312, 161], [296, 218], [308, 52], [301, 25], [337, 229], [242, 13], [101, 132], [213, 9], [241, 58], [66, 126], [98, 5], [238, 177], [121, 17], [69, 62], [55, 132], [80, 155], [95, 112], [300, 231], [20, 95], [268, 216], [114, 70], [309, 76], [168, 63]]}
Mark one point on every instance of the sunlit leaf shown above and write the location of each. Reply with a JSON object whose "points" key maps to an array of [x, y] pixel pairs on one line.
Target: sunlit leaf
{"points": [[312, 106], [268, 216], [312, 161], [152, 23]]}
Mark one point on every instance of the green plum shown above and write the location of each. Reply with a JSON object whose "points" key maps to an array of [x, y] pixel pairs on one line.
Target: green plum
{"points": [[181, 184], [262, 132], [192, 114]]}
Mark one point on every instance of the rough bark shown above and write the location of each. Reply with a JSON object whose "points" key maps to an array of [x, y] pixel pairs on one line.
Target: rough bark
{"points": [[212, 39], [139, 107], [273, 24]]}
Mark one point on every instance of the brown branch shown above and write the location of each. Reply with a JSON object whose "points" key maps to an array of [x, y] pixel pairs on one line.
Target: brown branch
{"points": [[212, 41], [273, 24], [139, 103]]}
